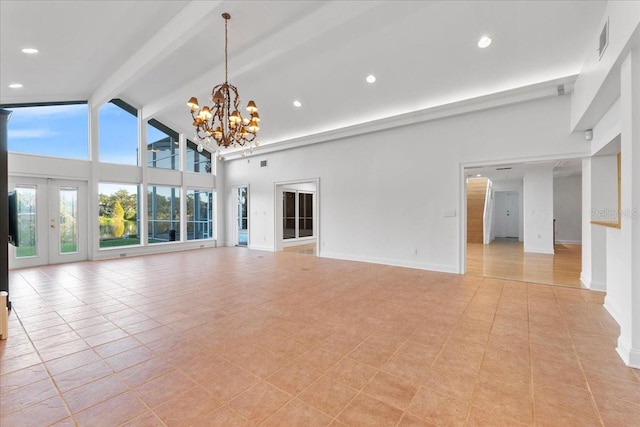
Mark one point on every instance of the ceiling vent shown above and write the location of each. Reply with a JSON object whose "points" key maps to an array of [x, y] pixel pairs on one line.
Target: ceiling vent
{"points": [[504, 169], [263, 163], [560, 163]]}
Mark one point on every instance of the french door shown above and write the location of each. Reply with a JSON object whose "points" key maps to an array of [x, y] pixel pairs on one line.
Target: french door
{"points": [[52, 222], [242, 219]]}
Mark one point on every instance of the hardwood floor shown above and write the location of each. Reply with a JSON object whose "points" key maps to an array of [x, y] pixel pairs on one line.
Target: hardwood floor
{"points": [[506, 259], [308, 249]]}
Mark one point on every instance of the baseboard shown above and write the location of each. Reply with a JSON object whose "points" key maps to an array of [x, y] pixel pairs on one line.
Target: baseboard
{"points": [[261, 248], [393, 262], [629, 355], [539, 251], [127, 251], [569, 242], [592, 285]]}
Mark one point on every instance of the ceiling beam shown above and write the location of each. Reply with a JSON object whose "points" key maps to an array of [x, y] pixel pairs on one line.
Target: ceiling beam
{"points": [[170, 37], [332, 14]]}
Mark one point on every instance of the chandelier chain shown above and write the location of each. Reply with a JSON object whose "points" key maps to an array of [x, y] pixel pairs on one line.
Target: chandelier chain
{"points": [[226, 43]]}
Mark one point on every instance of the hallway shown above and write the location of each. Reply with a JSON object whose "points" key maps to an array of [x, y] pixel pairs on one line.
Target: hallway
{"points": [[506, 259]]}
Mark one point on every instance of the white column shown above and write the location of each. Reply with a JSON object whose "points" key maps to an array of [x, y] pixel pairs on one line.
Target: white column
{"points": [[538, 210], [93, 243], [183, 187], [629, 340], [142, 161]]}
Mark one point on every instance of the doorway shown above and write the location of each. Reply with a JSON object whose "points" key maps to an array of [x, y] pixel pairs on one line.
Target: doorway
{"points": [[52, 222], [241, 230], [297, 217]]}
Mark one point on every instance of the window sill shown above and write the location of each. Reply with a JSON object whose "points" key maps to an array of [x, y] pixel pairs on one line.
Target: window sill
{"points": [[612, 224]]}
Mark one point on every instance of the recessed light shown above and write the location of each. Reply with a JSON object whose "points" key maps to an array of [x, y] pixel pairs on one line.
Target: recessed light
{"points": [[479, 175], [484, 42], [371, 78], [15, 85], [297, 103], [29, 50]]}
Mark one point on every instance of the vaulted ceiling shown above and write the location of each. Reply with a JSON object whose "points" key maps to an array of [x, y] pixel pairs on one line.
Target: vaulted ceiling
{"points": [[157, 54]]}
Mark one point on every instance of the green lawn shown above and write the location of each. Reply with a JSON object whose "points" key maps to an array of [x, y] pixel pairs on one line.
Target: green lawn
{"points": [[111, 243], [25, 251]]}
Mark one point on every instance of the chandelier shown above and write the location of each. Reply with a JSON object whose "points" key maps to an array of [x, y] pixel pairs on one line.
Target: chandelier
{"points": [[222, 121]]}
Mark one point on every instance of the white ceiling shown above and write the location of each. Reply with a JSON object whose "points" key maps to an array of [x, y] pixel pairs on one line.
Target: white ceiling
{"points": [[517, 171], [157, 54]]}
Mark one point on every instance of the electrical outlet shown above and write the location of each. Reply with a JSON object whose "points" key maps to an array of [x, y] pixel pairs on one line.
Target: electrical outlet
{"points": [[447, 213]]}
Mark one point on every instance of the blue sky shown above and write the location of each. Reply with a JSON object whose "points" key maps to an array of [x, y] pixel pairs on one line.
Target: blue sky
{"points": [[62, 131]]}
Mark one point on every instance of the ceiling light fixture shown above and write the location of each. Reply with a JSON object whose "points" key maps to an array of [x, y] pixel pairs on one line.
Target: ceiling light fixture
{"points": [[222, 122], [29, 50], [15, 85], [297, 103], [484, 42], [371, 78]]}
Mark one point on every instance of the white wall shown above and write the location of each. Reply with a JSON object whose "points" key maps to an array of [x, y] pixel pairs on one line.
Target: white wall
{"points": [[594, 248], [383, 194], [538, 210], [604, 188], [595, 91], [567, 209]]}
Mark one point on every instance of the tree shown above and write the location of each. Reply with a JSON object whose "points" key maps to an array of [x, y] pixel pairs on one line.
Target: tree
{"points": [[118, 210]]}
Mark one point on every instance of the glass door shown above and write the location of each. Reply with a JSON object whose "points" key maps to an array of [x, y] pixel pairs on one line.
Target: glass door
{"points": [[242, 219], [52, 222], [67, 221]]}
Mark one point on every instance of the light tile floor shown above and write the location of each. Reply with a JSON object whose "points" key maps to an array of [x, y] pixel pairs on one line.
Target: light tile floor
{"points": [[228, 336]]}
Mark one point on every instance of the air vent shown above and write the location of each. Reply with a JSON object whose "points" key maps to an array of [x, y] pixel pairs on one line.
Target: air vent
{"points": [[604, 39], [504, 169], [560, 163], [263, 163]]}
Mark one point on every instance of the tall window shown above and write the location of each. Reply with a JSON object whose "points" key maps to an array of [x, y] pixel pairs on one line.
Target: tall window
{"points": [[297, 214], [198, 162], [199, 214], [118, 133], [164, 214], [118, 215], [50, 130], [163, 149]]}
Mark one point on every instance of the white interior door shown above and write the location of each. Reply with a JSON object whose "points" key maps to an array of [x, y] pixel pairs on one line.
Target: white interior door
{"points": [[52, 222], [500, 214], [506, 214], [512, 214]]}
